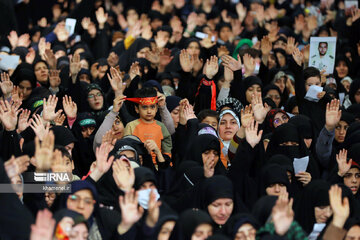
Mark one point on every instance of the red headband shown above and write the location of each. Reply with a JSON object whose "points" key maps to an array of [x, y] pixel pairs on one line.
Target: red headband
{"points": [[144, 101]]}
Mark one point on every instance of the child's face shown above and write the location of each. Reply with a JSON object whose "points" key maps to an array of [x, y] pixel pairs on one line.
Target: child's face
{"points": [[147, 112], [212, 121], [312, 81]]}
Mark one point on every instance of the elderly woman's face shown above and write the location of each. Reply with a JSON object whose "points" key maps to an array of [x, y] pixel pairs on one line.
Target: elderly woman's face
{"points": [[41, 72]]}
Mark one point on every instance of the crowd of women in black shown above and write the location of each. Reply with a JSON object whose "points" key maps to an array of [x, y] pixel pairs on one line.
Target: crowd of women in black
{"points": [[251, 157]]}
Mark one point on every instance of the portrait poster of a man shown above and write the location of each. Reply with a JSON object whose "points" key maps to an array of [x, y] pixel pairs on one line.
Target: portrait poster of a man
{"points": [[322, 53]]}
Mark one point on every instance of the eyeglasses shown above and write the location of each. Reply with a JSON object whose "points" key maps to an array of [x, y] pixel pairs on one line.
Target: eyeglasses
{"points": [[281, 120], [90, 96], [77, 199]]}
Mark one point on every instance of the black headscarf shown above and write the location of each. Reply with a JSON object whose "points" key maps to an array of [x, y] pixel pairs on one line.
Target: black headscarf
{"points": [[236, 221], [262, 208], [354, 86], [304, 126], [315, 194], [187, 223], [248, 82], [166, 215], [129, 55], [269, 87], [142, 175], [272, 174], [63, 136]]}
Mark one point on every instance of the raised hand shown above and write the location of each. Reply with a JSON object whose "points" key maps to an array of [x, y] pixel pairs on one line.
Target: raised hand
{"points": [[37, 125], [186, 61], [23, 121], [231, 63], [70, 107], [118, 102], [101, 17], [30, 56], [49, 108], [50, 58], [222, 51], [241, 11], [85, 22], [13, 39], [24, 40], [207, 42], [109, 137], [247, 116], [332, 115], [291, 45], [298, 56], [123, 175], [266, 46], [6, 85], [343, 165], [161, 39], [75, 66], [165, 57], [16, 166], [198, 63], [228, 76], [44, 152], [103, 162], [134, 70], [153, 211], [153, 56], [211, 67], [339, 206], [282, 215], [258, 108], [58, 163], [252, 135], [59, 121], [9, 113], [54, 78], [16, 95], [130, 211], [189, 112], [116, 82], [249, 63], [43, 229]]}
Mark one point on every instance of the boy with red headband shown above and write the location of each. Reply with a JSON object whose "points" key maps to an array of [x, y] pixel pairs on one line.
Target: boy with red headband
{"points": [[151, 132]]}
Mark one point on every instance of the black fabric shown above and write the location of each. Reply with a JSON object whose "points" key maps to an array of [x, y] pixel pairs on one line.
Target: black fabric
{"points": [[262, 208], [315, 194], [187, 223]]}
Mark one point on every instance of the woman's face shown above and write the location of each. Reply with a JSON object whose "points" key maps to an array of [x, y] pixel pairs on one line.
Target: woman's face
{"points": [[280, 119], [87, 131], [271, 61], [322, 213], [81, 202], [353, 233], [357, 96], [132, 17], [79, 232], [202, 232], [193, 48], [340, 131], [41, 72], [352, 179], [281, 59], [275, 189], [118, 128], [252, 90], [342, 69], [25, 88], [166, 230], [281, 83], [95, 99], [312, 81], [175, 116], [225, 34], [275, 96], [246, 232], [295, 110], [210, 154], [220, 210], [228, 127], [142, 52]]}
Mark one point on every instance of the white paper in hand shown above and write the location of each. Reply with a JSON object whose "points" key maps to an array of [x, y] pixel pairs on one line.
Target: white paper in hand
{"points": [[300, 164], [9, 62], [318, 227], [312, 93], [70, 25]]}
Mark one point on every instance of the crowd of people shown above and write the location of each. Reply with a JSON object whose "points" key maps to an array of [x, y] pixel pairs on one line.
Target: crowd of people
{"points": [[179, 120]]}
